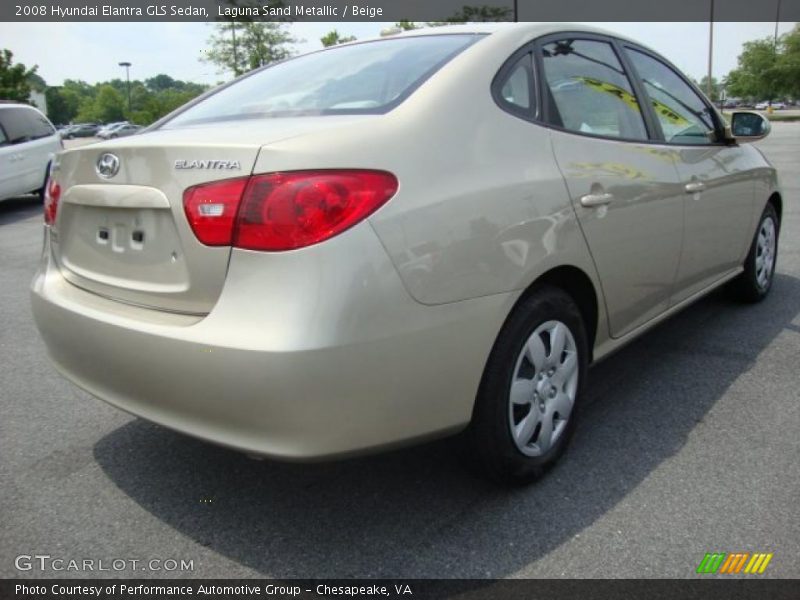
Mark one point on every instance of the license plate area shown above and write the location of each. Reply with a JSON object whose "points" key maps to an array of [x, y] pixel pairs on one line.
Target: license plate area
{"points": [[129, 248]]}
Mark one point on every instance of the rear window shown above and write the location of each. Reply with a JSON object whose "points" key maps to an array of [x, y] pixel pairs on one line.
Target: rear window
{"points": [[22, 124], [366, 78]]}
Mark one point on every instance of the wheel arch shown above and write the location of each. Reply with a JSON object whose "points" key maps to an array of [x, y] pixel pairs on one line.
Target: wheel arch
{"points": [[777, 203], [579, 286]]}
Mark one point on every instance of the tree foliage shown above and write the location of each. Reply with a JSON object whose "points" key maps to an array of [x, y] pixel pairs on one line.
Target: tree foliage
{"points": [[766, 69], [242, 46], [716, 87], [78, 101], [15, 78], [333, 37]]}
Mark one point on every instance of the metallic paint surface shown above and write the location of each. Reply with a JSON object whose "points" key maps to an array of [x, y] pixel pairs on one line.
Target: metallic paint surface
{"points": [[378, 336]]}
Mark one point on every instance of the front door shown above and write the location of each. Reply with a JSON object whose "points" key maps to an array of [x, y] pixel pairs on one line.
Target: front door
{"points": [[718, 191]]}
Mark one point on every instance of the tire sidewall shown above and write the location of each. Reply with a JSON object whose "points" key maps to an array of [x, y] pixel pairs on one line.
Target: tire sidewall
{"points": [[750, 269], [491, 428]]}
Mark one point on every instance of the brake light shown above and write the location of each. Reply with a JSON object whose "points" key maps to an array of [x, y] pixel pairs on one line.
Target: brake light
{"points": [[285, 211], [51, 197]]}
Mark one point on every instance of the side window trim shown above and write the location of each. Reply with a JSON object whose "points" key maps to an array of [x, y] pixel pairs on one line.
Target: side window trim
{"points": [[531, 113], [718, 127], [654, 131], [545, 100]]}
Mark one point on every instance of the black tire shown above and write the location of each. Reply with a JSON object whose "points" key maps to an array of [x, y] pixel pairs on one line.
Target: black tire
{"points": [[746, 286], [492, 447], [41, 190]]}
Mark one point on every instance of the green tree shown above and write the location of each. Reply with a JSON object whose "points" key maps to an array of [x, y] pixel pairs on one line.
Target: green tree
{"points": [[716, 87], [62, 104], [332, 38], [107, 106], [15, 78], [38, 84], [480, 14], [768, 68], [162, 82], [789, 65], [242, 46]]}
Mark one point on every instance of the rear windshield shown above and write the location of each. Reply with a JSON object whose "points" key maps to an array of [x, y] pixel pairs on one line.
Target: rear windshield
{"points": [[366, 78]]}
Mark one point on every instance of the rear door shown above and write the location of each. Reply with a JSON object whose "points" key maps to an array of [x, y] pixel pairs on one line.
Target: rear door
{"points": [[718, 188], [625, 189]]}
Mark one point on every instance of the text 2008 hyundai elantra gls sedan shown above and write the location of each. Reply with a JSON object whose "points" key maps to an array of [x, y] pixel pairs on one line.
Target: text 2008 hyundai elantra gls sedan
{"points": [[398, 239]]}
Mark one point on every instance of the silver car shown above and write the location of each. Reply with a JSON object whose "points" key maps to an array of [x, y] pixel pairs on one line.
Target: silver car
{"points": [[399, 239]]}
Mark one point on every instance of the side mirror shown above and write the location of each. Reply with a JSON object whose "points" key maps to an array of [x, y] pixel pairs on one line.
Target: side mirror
{"points": [[749, 126]]}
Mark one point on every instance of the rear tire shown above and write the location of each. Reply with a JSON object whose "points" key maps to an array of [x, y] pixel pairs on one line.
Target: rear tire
{"points": [[40, 192], [755, 282], [532, 387]]}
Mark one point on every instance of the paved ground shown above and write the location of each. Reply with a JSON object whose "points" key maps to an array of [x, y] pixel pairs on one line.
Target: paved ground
{"points": [[689, 444]]}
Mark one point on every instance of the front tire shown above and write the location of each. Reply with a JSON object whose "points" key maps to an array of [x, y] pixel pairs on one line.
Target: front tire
{"points": [[755, 282], [525, 411]]}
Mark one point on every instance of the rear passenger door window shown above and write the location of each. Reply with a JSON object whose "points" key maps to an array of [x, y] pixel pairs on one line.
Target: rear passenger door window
{"points": [[588, 90], [684, 116]]}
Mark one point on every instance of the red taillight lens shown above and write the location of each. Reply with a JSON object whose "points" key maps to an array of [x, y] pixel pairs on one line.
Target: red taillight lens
{"points": [[285, 211], [51, 197], [211, 210]]}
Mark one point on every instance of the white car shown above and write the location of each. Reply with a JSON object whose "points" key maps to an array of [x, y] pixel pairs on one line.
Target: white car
{"points": [[775, 105], [28, 142]]}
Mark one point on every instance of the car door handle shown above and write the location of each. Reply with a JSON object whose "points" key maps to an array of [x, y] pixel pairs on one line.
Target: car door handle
{"points": [[602, 199], [694, 187]]}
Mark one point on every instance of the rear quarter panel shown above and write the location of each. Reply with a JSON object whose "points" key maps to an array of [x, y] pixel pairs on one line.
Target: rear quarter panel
{"points": [[481, 208]]}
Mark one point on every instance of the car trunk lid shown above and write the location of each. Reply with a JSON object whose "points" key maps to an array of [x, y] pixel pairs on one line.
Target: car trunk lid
{"points": [[126, 236]]}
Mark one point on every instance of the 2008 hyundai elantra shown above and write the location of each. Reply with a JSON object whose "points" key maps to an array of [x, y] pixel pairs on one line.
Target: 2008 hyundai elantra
{"points": [[398, 239]]}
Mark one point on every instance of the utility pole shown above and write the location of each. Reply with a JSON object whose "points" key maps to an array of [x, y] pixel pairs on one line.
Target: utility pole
{"points": [[774, 51], [235, 54], [127, 66], [710, 50]]}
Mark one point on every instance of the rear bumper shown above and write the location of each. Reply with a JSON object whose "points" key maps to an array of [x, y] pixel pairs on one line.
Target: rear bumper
{"points": [[307, 355]]}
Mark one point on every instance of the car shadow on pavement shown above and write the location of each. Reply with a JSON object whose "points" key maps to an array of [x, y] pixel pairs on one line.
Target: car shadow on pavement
{"points": [[17, 209], [419, 512]]}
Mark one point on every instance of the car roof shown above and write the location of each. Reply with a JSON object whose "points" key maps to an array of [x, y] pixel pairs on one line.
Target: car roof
{"points": [[534, 29]]}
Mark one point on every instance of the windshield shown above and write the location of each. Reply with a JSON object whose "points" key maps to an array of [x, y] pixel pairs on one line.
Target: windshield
{"points": [[366, 78]]}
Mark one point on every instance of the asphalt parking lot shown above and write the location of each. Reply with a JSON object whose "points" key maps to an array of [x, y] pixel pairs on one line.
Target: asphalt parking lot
{"points": [[689, 444]]}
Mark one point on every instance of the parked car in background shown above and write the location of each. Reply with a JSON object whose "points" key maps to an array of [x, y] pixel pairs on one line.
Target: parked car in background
{"points": [[398, 239], [81, 130], [776, 105], [28, 142], [120, 130], [108, 126]]}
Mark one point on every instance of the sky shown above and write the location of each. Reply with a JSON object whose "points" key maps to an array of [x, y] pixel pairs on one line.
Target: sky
{"points": [[92, 51]]}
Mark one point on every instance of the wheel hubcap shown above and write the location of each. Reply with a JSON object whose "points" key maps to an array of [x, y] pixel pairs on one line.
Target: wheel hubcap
{"points": [[543, 388], [765, 252]]}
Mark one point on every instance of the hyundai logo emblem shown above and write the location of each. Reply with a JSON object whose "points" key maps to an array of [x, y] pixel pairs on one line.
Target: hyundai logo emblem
{"points": [[107, 165]]}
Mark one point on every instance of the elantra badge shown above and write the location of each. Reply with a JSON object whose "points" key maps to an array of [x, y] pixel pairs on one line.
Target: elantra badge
{"points": [[225, 165]]}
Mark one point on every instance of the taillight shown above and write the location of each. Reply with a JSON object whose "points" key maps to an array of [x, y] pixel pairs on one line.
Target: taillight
{"points": [[285, 211], [211, 210], [52, 195]]}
